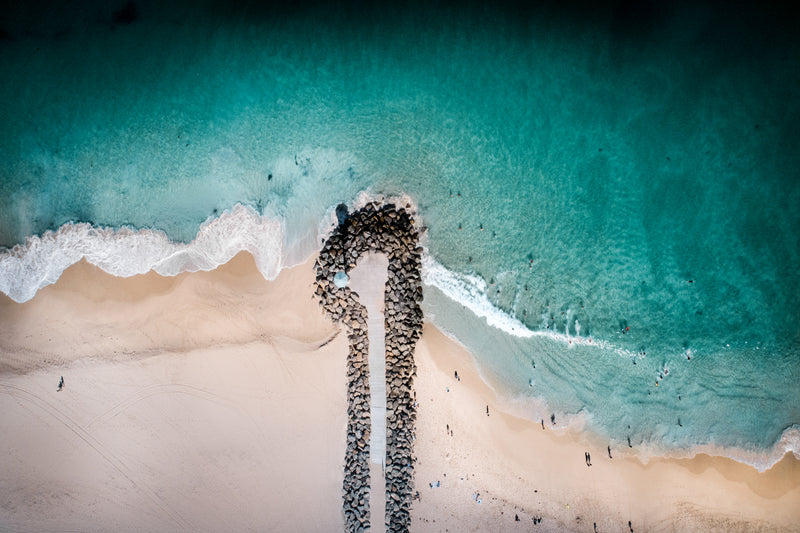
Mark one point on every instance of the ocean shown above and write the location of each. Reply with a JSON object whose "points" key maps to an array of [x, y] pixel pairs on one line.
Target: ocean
{"points": [[610, 190]]}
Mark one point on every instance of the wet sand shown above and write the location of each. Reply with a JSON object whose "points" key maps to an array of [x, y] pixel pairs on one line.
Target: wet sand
{"points": [[216, 400]]}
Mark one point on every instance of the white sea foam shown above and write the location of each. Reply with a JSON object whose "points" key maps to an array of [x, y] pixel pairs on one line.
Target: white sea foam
{"points": [[789, 442], [470, 291], [124, 252], [761, 460]]}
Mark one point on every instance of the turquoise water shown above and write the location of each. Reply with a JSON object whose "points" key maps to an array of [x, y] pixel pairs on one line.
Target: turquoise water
{"points": [[596, 168]]}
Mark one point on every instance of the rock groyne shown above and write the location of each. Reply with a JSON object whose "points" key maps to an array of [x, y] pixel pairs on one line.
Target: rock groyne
{"points": [[391, 230]]}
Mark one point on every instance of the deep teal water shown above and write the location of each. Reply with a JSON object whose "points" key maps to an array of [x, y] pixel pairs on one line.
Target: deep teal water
{"points": [[620, 167]]}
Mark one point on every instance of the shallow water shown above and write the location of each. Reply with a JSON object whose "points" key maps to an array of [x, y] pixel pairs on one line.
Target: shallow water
{"points": [[624, 175]]}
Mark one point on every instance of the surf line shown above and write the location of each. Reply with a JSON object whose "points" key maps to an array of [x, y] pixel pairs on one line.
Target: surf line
{"points": [[382, 228]]}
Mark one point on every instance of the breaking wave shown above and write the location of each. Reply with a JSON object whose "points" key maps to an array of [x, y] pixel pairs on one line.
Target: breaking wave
{"points": [[470, 291], [125, 252]]}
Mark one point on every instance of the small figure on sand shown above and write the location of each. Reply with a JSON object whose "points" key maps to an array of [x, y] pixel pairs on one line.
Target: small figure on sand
{"points": [[60, 384], [542, 423], [487, 410], [588, 458], [609, 452], [455, 374]]}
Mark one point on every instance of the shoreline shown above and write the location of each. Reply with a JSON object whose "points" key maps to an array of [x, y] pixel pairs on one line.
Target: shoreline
{"points": [[650, 492], [105, 248], [761, 461], [161, 281], [90, 320]]}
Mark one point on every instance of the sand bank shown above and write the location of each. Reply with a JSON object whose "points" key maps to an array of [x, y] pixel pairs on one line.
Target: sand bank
{"points": [[216, 401]]}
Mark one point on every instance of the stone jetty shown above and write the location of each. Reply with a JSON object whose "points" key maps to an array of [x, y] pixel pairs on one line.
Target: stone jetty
{"points": [[388, 229]]}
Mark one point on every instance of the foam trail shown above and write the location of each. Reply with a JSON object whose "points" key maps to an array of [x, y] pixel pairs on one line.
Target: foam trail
{"points": [[761, 460], [124, 252], [470, 291]]}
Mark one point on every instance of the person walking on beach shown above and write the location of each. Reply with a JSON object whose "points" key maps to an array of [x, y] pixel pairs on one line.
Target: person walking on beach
{"points": [[60, 384], [487, 410], [609, 452]]}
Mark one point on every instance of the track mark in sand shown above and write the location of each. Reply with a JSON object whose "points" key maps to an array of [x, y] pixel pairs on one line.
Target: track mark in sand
{"points": [[329, 339], [187, 390], [155, 390], [24, 395]]}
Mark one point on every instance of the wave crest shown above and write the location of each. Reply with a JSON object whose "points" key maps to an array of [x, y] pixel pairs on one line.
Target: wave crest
{"points": [[125, 252], [470, 291]]}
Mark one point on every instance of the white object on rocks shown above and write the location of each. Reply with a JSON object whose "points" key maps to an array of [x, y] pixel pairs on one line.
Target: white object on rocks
{"points": [[341, 279]]}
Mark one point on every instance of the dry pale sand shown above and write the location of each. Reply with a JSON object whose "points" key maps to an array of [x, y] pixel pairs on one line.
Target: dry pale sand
{"points": [[206, 402], [215, 402]]}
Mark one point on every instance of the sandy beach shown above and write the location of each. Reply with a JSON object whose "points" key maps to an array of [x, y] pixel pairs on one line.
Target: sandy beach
{"points": [[215, 401]]}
